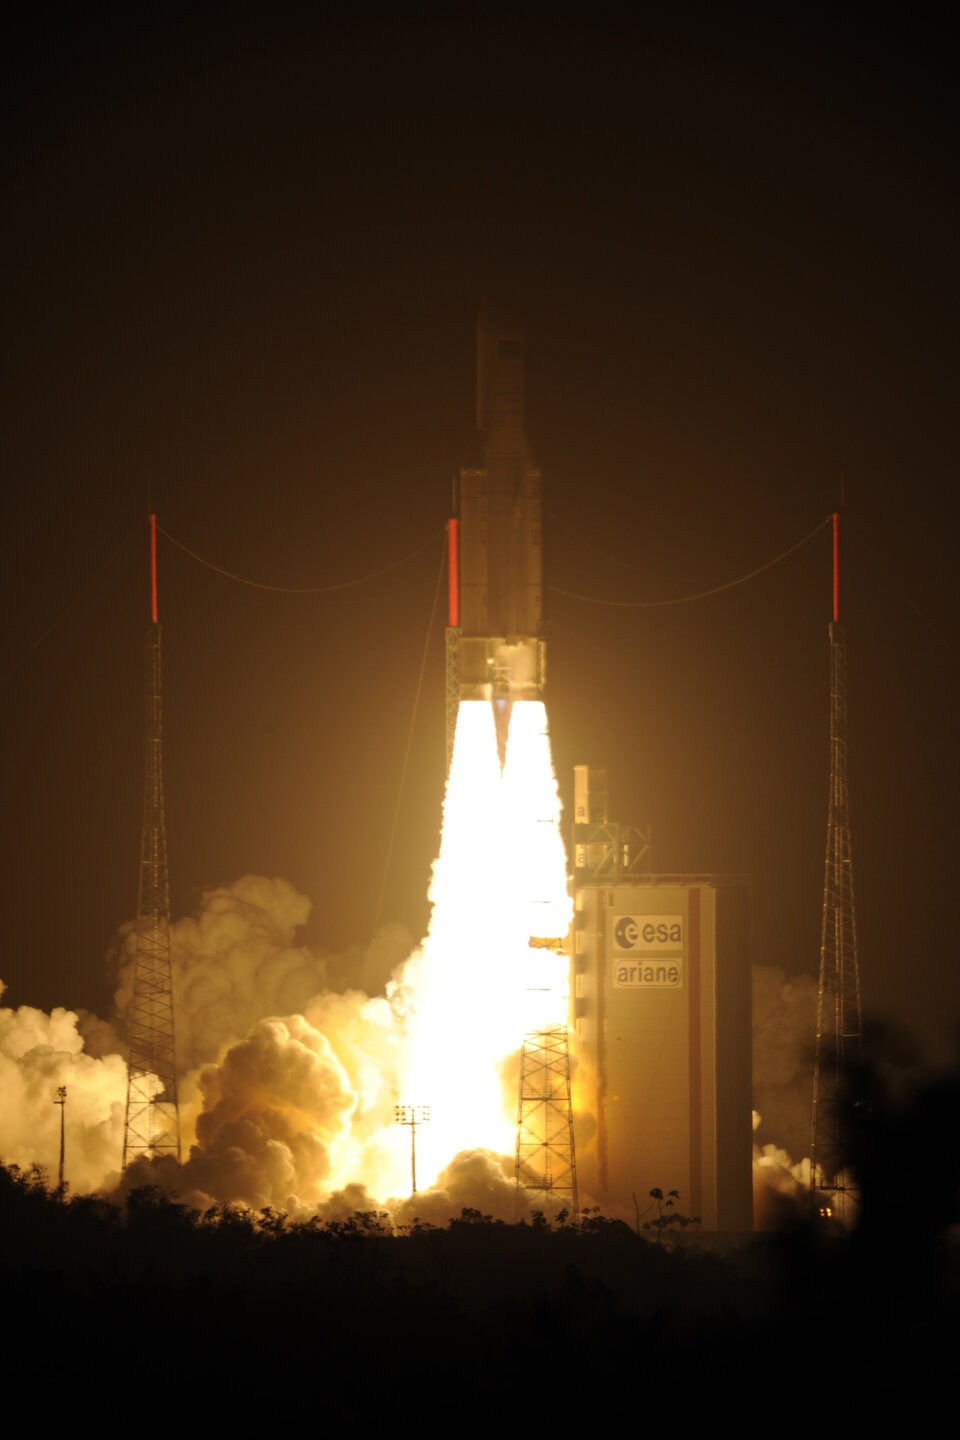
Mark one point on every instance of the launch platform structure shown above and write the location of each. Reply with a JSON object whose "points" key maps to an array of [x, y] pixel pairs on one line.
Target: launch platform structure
{"points": [[839, 1031], [546, 1162], [152, 1121]]}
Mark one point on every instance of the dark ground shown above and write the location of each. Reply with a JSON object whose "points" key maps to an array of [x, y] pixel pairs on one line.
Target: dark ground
{"points": [[240, 1315]]}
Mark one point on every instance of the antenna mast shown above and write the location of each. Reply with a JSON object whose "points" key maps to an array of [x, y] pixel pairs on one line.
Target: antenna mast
{"points": [[837, 1056], [152, 1124]]}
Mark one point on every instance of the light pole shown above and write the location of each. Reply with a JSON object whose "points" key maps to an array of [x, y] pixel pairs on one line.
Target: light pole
{"points": [[61, 1100], [412, 1115]]}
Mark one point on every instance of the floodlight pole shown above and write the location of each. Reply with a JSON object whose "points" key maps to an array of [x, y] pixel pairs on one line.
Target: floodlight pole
{"points": [[412, 1115], [61, 1100]]}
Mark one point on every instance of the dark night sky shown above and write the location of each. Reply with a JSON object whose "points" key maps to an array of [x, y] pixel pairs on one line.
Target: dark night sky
{"points": [[242, 263]]}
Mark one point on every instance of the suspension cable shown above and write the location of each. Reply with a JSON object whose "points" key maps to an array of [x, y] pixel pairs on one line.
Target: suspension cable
{"points": [[701, 594], [299, 589]]}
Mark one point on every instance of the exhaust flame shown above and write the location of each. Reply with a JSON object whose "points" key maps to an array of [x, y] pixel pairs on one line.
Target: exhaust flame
{"points": [[476, 987]]}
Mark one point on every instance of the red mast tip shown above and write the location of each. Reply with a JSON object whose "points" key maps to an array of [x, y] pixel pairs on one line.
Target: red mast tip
{"points": [[453, 560]]}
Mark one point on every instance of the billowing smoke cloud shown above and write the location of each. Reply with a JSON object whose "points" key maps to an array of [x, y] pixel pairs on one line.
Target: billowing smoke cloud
{"points": [[784, 1029], [288, 1086], [237, 961], [780, 1185], [274, 1110], [38, 1054], [474, 1179]]}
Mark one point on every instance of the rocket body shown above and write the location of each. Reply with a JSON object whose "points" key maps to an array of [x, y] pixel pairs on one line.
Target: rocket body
{"points": [[496, 652]]}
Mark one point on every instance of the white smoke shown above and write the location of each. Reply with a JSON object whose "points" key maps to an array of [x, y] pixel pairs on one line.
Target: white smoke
{"points": [[475, 1180], [237, 961], [269, 1106], [288, 1087], [273, 1111], [38, 1054], [784, 1028], [780, 1184]]}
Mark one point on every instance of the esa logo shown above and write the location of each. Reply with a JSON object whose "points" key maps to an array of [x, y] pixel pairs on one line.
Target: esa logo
{"points": [[649, 932]]}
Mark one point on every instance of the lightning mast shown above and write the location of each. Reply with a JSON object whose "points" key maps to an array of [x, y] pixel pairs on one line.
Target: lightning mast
{"points": [[837, 1055], [152, 1124]]}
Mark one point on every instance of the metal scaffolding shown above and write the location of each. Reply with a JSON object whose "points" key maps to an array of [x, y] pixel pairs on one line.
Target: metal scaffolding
{"points": [[546, 1157], [452, 688], [838, 1048], [152, 1123]]}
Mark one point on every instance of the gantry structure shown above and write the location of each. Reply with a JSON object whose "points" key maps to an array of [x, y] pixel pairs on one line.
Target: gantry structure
{"points": [[152, 1121], [546, 1163], [838, 1048]]}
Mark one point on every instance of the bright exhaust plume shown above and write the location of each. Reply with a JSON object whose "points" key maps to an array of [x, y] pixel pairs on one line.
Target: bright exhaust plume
{"points": [[476, 987]]}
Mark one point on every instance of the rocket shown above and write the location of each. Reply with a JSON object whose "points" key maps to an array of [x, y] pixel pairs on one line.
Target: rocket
{"points": [[495, 645]]}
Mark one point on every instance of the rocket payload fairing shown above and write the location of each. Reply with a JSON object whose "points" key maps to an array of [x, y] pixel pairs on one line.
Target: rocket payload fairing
{"points": [[495, 646]]}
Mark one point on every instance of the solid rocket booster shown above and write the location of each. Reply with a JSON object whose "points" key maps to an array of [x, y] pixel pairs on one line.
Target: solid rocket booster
{"points": [[496, 650]]}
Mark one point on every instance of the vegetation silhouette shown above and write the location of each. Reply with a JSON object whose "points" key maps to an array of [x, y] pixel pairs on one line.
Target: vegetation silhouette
{"points": [[267, 1311], [667, 1217]]}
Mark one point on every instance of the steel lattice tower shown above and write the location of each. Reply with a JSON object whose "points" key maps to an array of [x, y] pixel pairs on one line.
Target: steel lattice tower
{"points": [[546, 1158], [837, 1056], [152, 1124]]}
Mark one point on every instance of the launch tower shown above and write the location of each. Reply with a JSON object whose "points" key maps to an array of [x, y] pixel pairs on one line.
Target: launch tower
{"points": [[152, 1123], [837, 1056]]}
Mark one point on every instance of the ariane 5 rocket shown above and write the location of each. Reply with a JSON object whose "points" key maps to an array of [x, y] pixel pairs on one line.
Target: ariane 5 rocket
{"points": [[495, 646]]}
